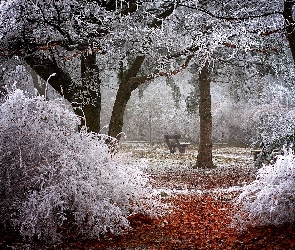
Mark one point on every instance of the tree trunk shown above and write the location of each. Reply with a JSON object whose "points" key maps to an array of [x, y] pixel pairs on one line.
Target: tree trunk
{"points": [[85, 97], [289, 23], [91, 95], [204, 159], [127, 84], [117, 118]]}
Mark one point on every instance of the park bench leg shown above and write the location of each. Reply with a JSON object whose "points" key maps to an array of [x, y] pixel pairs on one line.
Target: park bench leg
{"points": [[182, 149], [172, 149]]}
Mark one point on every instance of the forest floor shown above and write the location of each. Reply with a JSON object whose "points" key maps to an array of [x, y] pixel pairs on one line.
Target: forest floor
{"points": [[200, 204]]}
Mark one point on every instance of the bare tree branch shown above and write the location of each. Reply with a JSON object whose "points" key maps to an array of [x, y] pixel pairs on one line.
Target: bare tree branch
{"points": [[144, 79], [231, 18]]}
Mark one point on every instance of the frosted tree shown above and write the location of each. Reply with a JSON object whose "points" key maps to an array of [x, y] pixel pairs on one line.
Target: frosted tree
{"points": [[45, 34], [156, 38], [213, 28], [251, 19], [48, 34]]}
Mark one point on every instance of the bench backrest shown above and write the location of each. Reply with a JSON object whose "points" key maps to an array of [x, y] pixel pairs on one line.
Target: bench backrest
{"points": [[175, 137], [172, 140]]}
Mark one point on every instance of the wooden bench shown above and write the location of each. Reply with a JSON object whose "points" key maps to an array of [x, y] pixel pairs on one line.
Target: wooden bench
{"points": [[173, 143]]}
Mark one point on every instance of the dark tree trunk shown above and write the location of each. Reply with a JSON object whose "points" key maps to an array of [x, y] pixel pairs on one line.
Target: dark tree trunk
{"points": [[85, 97], [91, 91], [117, 118], [127, 84], [204, 159], [289, 23]]}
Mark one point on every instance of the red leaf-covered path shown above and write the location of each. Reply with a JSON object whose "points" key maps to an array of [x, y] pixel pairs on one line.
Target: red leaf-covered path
{"points": [[195, 222]]}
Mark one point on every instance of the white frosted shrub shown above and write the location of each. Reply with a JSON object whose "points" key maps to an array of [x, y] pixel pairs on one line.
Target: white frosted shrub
{"points": [[52, 176], [270, 199]]}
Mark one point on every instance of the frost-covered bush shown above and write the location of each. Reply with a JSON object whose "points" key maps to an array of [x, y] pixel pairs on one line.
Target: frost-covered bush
{"points": [[52, 176], [271, 150], [270, 199]]}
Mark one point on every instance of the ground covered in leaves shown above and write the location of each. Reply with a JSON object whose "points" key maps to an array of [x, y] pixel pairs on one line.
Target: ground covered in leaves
{"points": [[199, 204]]}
